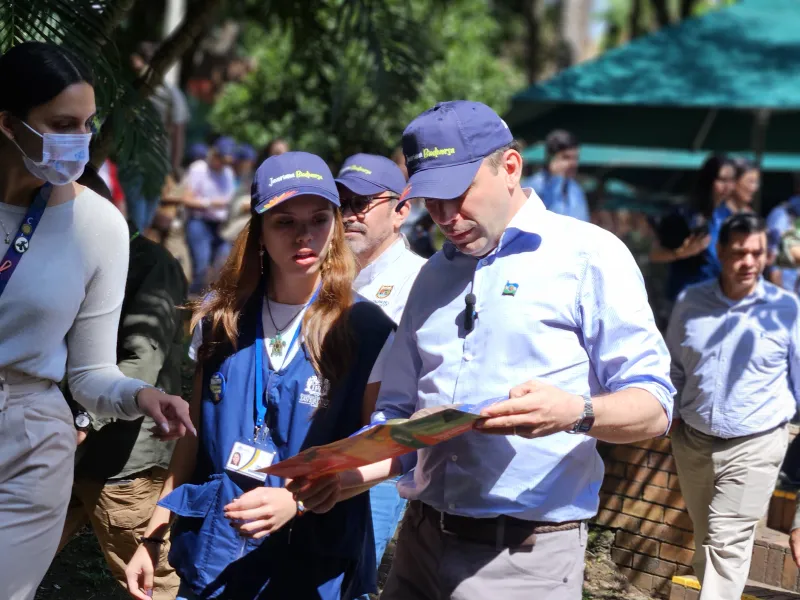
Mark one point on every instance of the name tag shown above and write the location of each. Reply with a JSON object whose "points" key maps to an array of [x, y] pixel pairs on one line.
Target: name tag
{"points": [[246, 459]]}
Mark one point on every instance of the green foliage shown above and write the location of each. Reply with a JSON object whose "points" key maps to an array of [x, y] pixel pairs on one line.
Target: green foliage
{"points": [[617, 17], [336, 95]]}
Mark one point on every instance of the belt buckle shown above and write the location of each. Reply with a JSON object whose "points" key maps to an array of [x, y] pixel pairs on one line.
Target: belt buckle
{"points": [[442, 526]]}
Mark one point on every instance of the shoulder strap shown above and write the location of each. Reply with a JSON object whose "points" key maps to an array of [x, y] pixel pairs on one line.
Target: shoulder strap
{"points": [[22, 239]]}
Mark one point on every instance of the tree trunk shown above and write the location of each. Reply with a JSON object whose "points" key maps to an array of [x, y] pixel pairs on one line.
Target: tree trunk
{"points": [[635, 19], [168, 52], [687, 6], [534, 21], [662, 13], [113, 18]]}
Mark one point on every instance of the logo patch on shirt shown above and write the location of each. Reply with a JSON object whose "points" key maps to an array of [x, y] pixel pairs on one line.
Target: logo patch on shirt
{"points": [[384, 291], [316, 392], [510, 289], [216, 385]]}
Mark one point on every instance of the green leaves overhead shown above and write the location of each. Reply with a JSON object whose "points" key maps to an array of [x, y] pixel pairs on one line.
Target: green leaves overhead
{"points": [[354, 80]]}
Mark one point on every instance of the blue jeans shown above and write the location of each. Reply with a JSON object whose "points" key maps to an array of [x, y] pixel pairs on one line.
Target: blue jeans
{"points": [[141, 209], [206, 247], [387, 510]]}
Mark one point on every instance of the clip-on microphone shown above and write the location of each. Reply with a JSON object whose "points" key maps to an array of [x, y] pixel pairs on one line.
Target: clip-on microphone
{"points": [[469, 313]]}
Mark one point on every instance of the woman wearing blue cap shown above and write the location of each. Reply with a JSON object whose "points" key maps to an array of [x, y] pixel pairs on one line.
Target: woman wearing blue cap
{"points": [[289, 358]]}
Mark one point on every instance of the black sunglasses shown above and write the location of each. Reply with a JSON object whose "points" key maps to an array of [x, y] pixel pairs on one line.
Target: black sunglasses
{"points": [[359, 205]]}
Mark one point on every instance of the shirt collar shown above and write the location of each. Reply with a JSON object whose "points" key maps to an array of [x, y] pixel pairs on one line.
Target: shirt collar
{"points": [[368, 274], [527, 220], [757, 295]]}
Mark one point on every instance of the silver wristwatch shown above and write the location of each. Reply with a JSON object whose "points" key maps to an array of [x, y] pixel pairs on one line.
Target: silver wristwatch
{"points": [[585, 423]]}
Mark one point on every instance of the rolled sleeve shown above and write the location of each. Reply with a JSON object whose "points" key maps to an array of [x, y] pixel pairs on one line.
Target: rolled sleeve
{"points": [[619, 332]]}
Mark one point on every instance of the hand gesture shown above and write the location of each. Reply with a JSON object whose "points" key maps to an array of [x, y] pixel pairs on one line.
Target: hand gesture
{"points": [[534, 409], [261, 511], [318, 495], [139, 571], [171, 413], [693, 245]]}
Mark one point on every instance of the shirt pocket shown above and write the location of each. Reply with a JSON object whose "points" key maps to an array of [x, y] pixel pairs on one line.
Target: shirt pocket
{"points": [[771, 349]]}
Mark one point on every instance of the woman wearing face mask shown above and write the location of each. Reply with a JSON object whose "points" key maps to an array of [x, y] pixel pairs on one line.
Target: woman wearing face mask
{"points": [[62, 277], [289, 359]]}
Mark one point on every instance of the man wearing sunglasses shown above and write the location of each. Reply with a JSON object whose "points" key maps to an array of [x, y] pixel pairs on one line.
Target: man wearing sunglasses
{"points": [[369, 189]]}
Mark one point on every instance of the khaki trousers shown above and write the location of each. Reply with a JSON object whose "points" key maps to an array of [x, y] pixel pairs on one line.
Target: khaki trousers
{"points": [[727, 485], [118, 513], [433, 565], [37, 455]]}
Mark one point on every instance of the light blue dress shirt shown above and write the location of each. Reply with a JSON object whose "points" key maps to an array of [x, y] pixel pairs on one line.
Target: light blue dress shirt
{"points": [[735, 363], [561, 195], [577, 319]]}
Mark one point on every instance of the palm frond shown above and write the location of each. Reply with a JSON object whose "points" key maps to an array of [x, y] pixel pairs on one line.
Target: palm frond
{"points": [[86, 27]]}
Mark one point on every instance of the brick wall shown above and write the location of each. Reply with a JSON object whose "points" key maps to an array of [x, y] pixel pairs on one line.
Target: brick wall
{"points": [[641, 500]]}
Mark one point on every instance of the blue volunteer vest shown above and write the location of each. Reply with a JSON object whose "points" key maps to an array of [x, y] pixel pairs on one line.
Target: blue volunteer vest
{"points": [[329, 556]]}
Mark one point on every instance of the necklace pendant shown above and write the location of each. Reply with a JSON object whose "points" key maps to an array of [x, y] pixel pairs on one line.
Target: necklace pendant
{"points": [[276, 346], [7, 240]]}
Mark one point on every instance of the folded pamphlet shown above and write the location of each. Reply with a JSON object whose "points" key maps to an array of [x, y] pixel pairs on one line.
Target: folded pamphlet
{"points": [[382, 440]]}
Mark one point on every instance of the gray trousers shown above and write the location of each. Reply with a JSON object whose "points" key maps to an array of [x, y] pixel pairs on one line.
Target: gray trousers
{"points": [[37, 455], [727, 485], [433, 565]]}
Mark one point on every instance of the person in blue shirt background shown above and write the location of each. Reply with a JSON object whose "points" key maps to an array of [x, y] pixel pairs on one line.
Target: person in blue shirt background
{"points": [[781, 219], [288, 358], [525, 304], [555, 184]]}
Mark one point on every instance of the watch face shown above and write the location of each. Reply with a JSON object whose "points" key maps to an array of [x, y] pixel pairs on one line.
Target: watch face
{"points": [[82, 420]]}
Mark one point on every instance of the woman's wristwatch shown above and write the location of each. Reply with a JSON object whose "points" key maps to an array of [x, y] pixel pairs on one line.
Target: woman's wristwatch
{"points": [[83, 421]]}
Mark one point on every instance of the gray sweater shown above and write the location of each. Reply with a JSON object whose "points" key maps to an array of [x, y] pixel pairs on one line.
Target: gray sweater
{"points": [[60, 311]]}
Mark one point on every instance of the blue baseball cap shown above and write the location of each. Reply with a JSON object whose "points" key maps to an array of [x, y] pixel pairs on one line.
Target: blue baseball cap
{"points": [[445, 145], [290, 174], [246, 152], [226, 146], [369, 174], [197, 151]]}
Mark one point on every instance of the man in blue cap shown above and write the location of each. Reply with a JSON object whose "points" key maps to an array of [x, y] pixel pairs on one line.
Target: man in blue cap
{"points": [[369, 188], [525, 304], [212, 184]]}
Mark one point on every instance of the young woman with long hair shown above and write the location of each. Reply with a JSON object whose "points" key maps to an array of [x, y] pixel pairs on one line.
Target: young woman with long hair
{"points": [[63, 265], [289, 358], [687, 237]]}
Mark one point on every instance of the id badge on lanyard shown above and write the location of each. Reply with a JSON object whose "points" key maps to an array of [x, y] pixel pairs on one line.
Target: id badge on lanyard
{"points": [[249, 455]]}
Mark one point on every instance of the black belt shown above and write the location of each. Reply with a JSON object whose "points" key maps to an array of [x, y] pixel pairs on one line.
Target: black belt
{"points": [[502, 532]]}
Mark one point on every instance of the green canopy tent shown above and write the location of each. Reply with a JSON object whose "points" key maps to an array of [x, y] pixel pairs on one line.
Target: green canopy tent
{"points": [[727, 81], [669, 170]]}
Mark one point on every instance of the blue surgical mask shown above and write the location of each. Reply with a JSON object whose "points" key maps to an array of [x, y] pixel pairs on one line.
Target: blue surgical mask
{"points": [[64, 156]]}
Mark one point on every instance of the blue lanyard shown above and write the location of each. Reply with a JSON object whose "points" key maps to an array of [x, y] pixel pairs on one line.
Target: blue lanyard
{"points": [[24, 234], [260, 399]]}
